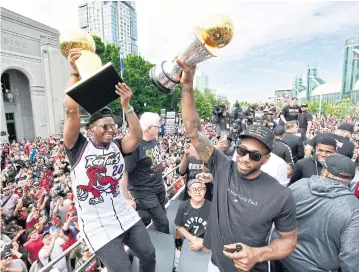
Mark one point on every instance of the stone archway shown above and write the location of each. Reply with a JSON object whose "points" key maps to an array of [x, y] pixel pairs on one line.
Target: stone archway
{"points": [[17, 105]]}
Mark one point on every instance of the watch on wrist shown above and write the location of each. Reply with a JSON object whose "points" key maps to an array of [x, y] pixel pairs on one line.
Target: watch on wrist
{"points": [[129, 110]]}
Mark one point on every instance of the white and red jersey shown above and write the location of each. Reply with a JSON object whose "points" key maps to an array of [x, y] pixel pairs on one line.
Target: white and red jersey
{"points": [[96, 171]]}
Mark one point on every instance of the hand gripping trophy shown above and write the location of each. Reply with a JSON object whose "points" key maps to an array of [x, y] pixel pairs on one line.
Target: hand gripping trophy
{"points": [[215, 33], [96, 87]]}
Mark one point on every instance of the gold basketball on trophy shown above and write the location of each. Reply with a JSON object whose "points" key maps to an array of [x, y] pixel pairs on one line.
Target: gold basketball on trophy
{"points": [[89, 62], [217, 31]]}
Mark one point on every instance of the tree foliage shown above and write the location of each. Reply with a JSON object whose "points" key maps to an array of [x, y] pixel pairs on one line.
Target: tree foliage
{"points": [[340, 109]]}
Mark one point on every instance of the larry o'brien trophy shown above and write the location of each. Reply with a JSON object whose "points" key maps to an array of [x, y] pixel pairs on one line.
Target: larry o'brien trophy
{"points": [[96, 88], [215, 33]]}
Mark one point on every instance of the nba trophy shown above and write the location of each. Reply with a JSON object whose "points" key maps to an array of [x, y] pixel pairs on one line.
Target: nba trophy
{"points": [[215, 33], [96, 88]]}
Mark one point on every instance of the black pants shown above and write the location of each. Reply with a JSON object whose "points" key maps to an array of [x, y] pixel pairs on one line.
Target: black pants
{"points": [[115, 258], [154, 204]]}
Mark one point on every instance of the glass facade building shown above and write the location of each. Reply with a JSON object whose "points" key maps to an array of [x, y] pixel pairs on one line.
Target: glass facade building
{"points": [[351, 65], [113, 21]]}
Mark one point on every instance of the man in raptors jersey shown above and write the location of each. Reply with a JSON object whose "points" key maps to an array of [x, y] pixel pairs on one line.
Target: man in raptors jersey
{"points": [[106, 218]]}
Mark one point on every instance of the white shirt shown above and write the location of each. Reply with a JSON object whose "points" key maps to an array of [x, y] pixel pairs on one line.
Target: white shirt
{"points": [[56, 251], [276, 167]]}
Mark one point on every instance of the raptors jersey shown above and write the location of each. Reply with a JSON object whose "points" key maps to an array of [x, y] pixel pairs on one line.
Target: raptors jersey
{"points": [[103, 212]]}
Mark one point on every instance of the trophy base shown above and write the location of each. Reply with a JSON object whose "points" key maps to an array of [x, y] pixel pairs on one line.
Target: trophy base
{"points": [[97, 91], [159, 85]]}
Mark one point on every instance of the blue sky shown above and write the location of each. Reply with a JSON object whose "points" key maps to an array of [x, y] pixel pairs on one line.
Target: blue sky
{"points": [[273, 41]]}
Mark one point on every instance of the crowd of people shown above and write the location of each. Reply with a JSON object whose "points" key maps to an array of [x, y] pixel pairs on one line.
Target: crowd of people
{"points": [[293, 171]]}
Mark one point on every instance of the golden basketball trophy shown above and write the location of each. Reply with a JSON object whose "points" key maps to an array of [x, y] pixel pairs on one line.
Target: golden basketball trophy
{"points": [[215, 33], [96, 88]]}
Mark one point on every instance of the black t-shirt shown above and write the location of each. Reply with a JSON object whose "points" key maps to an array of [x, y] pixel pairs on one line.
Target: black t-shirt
{"points": [[243, 210], [195, 221], [344, 145], [291, 113], [144, 167], [303, 119]]}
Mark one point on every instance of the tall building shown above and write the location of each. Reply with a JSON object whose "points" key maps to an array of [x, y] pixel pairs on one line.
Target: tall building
{"points": [[313, 81], [201, 81], [113, 21], [351, 65]]}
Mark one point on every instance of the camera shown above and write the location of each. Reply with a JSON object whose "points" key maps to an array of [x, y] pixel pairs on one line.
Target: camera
{"points": [[219, 109]]}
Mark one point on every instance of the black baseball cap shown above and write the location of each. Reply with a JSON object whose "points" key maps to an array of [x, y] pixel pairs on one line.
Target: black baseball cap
{"points": [[347, 127], [261, 133], [191, 182], [340, 166], [102, 113]]}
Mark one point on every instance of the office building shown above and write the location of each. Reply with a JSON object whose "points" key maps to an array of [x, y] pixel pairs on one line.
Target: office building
{"points": [[201, 81], [113, 21], [351, 65]]}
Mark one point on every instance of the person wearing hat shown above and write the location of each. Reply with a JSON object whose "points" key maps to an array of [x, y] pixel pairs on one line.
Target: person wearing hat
{"points": [[307, 167], [290, 112], [192, 215], [246, 201], [106, 219], [342, 135], [143, 174], [328, 220], [305, 120]]}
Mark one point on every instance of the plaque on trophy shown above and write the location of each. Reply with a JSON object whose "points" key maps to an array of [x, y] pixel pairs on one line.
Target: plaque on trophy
{"points": [[215, 33], [96, 88]]}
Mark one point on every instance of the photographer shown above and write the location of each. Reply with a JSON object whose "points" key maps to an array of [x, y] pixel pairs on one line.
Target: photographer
{"points": [[221, 117]]}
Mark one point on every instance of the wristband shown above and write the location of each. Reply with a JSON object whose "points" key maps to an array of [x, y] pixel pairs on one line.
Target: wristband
{"points": [[75, 74]]}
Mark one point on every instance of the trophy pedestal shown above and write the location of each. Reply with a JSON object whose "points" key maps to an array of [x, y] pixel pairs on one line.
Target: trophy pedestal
{"points": [[96, 91]]}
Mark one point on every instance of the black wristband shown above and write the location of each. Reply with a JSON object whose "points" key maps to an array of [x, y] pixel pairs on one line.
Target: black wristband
{"points": [[75, 75]]}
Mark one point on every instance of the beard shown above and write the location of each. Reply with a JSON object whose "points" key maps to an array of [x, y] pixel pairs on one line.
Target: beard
{"points": [[246, 174]]}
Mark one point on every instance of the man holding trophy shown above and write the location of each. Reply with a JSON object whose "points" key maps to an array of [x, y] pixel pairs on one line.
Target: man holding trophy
{"points": [[106, 219], [246, 201]]}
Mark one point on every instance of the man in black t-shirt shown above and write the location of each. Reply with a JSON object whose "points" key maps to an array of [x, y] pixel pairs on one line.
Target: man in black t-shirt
{"points": [[341, 135], [143, 175], [290, 112], [192, 215], [191, 166], [305, 120], [246, 201]]}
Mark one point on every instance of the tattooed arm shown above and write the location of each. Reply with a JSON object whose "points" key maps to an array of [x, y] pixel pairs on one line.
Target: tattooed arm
{"points": [[190, 116]]}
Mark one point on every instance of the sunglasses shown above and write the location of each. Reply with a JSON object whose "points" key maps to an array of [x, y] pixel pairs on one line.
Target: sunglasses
{"points": [[253, 155], [108, 126]]}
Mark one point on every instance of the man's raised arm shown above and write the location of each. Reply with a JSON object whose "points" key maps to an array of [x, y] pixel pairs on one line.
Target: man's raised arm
{"points": [[190, 116], [72, 116]]}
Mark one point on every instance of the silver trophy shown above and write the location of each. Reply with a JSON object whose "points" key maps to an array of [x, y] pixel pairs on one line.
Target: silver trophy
{"points": [[215, 33]]}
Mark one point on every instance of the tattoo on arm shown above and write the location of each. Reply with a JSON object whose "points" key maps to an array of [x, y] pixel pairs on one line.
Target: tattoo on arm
{"points": [[204, 146]]}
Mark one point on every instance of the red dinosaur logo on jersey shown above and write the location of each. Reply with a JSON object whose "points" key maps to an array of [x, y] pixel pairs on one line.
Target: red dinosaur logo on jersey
{"points": [[99, 183]]}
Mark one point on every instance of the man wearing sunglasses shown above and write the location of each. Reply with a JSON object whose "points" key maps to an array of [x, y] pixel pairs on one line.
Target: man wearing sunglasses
{"points": [[246, 201], [106, 219]]}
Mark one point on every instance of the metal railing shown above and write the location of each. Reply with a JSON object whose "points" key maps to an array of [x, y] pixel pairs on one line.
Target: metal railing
{"points": [[83, 266]]}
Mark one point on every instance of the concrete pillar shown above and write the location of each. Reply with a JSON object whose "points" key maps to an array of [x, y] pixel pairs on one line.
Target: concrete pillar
{"points": [[47, 77], [39, 111], [3, 133]]}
